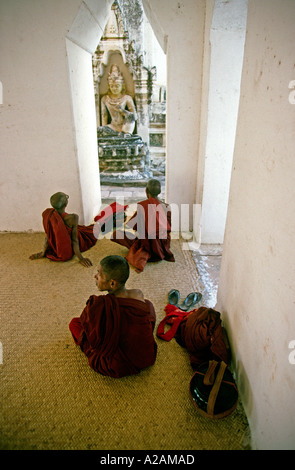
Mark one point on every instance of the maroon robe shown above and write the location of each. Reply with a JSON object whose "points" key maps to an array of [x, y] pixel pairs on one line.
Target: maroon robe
{"points": [[116, 334], [109, 218], [201, 333], [152, 221], [59, 236]]}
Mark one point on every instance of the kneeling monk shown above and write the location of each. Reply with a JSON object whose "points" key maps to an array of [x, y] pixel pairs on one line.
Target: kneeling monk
{"points": [[152, 221], [115, 331], [64, 237]]}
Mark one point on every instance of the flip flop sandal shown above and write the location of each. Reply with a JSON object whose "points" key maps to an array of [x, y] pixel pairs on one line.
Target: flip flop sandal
{"points": [[190, 301], [173, 297]]}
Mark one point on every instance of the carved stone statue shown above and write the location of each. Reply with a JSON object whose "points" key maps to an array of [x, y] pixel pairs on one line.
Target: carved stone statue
{"points": [[122, 154], [117, 107]]}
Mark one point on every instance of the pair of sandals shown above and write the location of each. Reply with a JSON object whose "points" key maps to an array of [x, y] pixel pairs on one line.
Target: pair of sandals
{"points": [[190, 301]]}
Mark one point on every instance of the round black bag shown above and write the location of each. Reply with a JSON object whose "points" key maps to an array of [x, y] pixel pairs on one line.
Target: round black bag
{"points": [[213, 390]]}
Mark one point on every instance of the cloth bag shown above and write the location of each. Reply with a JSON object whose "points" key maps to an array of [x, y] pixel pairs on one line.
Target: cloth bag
{"points": [[199, 331]]}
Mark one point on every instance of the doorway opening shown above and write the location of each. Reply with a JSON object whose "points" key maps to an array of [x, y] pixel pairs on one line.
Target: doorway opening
{"points": [[82, 40], [129, 53]]}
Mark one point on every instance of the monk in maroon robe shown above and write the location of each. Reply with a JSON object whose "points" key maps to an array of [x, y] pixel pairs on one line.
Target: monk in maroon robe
{"points": [[64, 236], [115, 331], [152, 221]]}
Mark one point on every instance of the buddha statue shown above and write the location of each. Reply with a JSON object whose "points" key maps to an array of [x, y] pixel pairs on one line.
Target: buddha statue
{"points": [[117, 107]]}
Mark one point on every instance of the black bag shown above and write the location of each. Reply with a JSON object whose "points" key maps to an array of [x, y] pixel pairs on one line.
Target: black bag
{"points": [[213, 390]]}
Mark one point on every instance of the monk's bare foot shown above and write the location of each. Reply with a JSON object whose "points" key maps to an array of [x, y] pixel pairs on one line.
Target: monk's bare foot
{"points": [[37, 255]]}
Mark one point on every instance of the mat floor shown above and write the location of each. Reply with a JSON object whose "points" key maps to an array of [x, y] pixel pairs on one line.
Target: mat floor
{"points": [[52, 400]]}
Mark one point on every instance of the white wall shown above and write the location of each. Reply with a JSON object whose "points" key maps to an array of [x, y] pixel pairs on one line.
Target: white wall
{"points": [[227, 37], [256, 293], [37, 151], [47, 125], [179, 27]]}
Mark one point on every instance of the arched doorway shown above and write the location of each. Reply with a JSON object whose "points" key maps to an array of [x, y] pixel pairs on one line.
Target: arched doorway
{"points": [[81, 43]]}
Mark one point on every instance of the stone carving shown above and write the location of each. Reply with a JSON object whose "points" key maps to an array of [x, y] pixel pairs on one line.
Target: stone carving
{"points": [[141, 148], [118, 112], [122, 154]]}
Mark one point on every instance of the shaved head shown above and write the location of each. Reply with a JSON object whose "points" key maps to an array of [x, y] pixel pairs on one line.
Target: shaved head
{"points": [[153, 187], [116, 268], [58, 200]]}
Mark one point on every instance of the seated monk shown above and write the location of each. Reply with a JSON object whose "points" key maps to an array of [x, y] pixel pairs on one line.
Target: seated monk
{"points": [[152, 220], [115, 331], [64, 236]]}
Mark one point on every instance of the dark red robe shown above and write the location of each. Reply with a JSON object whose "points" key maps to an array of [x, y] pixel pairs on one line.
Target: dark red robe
{"points": [[109, 218], [59, 236], [201, 334], [152, 221], [116, 334]]}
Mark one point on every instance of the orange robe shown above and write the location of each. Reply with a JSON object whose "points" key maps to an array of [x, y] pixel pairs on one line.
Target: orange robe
{"points": [[152, 221], [116, 334], [59, 236]]}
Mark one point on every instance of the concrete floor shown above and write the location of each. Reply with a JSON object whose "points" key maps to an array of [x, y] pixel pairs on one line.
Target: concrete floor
{"points": [[112, 192], [208, 261]]}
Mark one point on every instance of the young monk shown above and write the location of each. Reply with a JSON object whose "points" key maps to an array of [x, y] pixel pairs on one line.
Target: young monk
{"points": [[115, 331], [152, 220], [64, 236]]}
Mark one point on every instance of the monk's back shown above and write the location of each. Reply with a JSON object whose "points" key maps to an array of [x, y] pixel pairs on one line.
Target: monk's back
{"points": [[119, 334], [136, 332]]}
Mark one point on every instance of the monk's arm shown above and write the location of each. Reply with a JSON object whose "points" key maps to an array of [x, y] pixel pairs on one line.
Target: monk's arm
{"points": [[41, 254], [75, 243]]}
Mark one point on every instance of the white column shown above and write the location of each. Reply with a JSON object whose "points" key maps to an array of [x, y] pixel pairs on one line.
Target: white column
{"points": [[227, 38]]}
